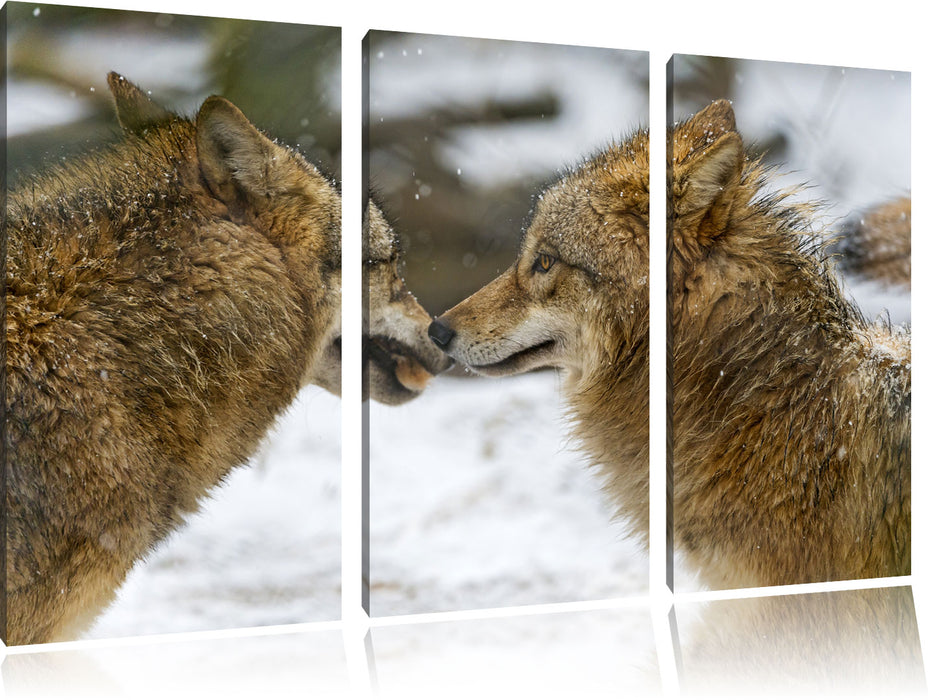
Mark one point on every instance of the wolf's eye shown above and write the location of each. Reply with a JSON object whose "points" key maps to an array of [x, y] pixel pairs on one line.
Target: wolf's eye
{"points": [[543, 262]]}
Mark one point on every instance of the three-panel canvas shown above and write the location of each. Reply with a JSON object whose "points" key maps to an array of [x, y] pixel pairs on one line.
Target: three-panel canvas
{"points": [[174, 267]]}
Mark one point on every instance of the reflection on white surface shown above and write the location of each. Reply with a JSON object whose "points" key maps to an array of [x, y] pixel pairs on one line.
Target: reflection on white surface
{"points": [[300, 665], [594, 654], [829, 643], [840, 642]]}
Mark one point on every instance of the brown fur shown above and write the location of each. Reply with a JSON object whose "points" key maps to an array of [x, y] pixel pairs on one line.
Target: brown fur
{"points": [[789, 415], [399, 360], [876, 245], [790, 420], [166, 299]]}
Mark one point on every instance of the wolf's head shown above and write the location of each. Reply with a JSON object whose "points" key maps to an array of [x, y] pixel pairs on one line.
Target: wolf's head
{"points": [[577, 296], [262, 183], [399, 359], [737, 250], [253, 181]]}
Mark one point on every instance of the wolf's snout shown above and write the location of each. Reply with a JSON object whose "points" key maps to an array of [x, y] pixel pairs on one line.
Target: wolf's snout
{"points": [[440, 333]]}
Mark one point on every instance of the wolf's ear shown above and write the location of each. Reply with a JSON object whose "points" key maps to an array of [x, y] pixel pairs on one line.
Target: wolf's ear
{"points": [[707, 161], [136, 112], [709, 176], [234, 156], [716, 118]]}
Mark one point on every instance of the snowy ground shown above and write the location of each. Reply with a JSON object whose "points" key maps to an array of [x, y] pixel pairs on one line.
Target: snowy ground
{"points": [[478, 499]]}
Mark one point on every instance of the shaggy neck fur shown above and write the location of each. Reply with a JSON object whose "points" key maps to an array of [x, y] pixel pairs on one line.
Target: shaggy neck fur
{"points": [[609, 407], [790, 413]]}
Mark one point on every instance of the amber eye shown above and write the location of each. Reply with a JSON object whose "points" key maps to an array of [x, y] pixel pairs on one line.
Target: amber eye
{"points": [[543, 262]]}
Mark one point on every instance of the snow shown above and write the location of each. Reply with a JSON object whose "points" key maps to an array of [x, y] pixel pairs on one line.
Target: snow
{"points": [[479, 499]]}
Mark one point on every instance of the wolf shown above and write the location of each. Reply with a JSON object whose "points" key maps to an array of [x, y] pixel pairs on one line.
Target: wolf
{"points": [[788, 413], [399, 359], [165, 300], [790, 410], [577, 299]]}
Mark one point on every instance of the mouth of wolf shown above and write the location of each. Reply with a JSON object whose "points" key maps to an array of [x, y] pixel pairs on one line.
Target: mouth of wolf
{"points": [[383, 351], [516, 361]]}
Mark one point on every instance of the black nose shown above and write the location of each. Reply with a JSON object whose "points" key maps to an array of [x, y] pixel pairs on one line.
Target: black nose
{"points": [[440, 333]]}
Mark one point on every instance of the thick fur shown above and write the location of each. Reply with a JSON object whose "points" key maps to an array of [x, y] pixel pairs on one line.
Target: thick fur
{"points": [[399, 359], [790, 421], [166, 299], [789, 414]]}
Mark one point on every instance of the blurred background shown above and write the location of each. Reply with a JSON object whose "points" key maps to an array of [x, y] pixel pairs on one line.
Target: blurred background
{"points": [[284, 77], [478, 497], [463, 133], [265, 549]]}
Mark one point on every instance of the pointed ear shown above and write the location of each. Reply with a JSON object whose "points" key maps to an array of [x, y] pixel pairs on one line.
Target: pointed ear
{"points": [[706, 161], [136, 112], [234, 156], [709, 177], [717, 118]]}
